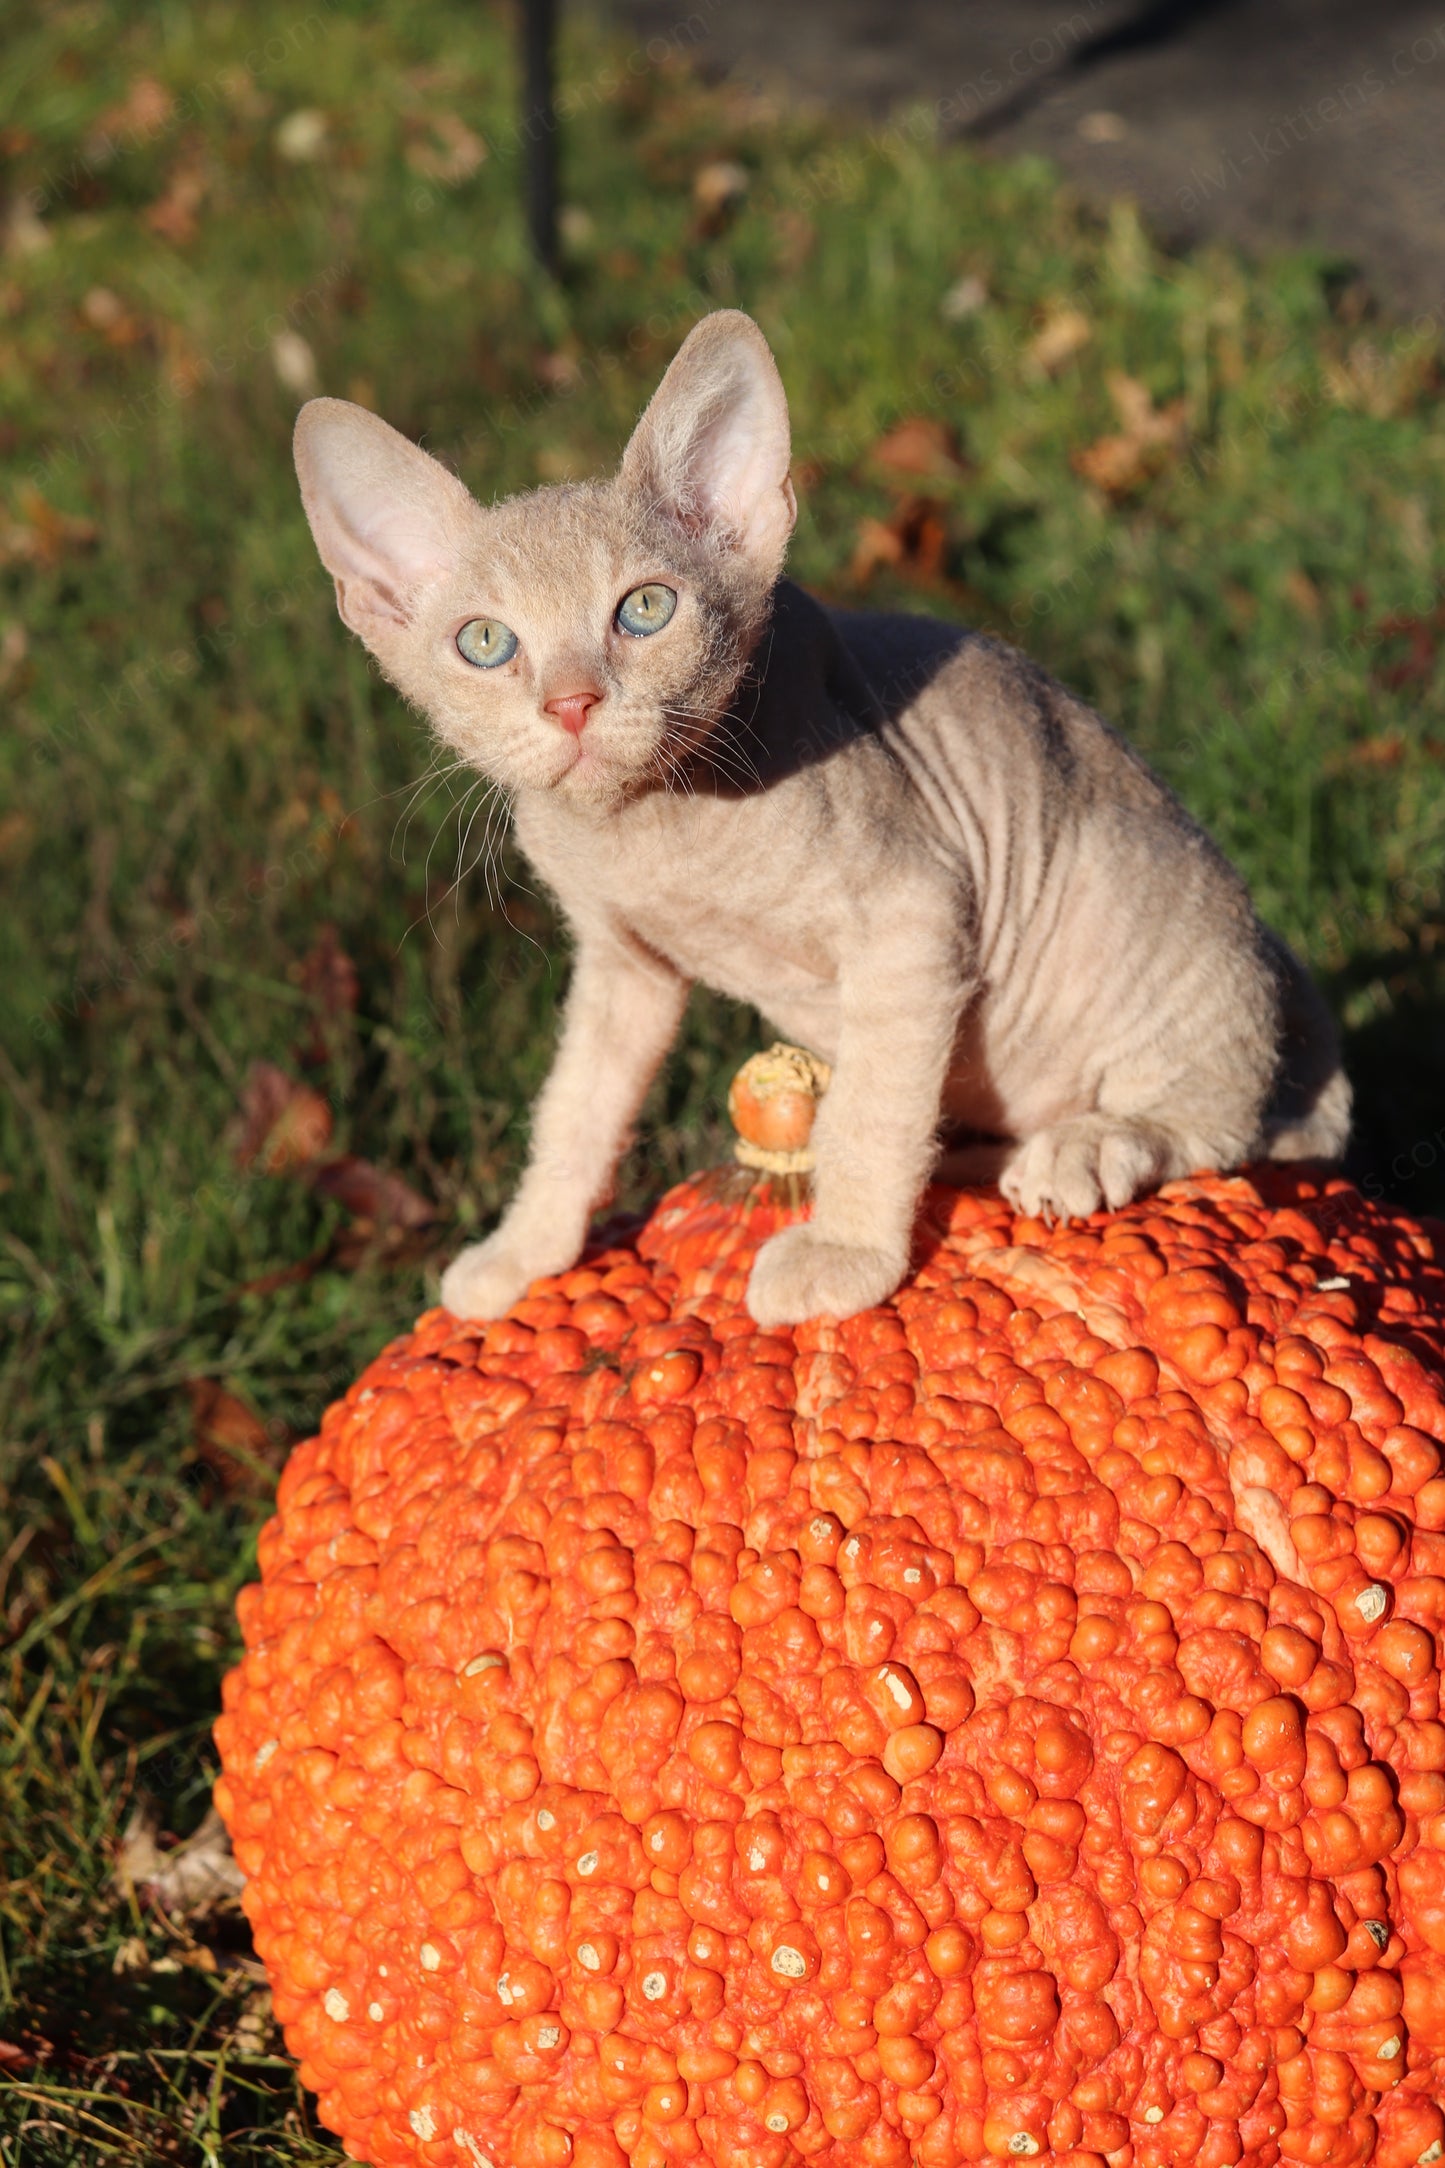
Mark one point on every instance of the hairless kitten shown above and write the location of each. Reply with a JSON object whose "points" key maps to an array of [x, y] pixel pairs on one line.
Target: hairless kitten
{"points": [[912, 850]]}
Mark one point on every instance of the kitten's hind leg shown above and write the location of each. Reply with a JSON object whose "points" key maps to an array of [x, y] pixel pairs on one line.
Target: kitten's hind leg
{"points": [[1070, 1169]]}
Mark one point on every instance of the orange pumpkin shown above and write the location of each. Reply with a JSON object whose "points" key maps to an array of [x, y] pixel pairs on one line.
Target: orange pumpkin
{"points": [[1004, 1725]]}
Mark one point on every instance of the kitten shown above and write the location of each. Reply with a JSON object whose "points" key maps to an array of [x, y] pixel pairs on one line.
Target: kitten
{"points": [[909, 848]]}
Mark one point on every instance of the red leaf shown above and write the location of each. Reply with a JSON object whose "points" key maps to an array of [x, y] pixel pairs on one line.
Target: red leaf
{"points": [[329, 976], [914, 543], [285, 1126], [922, 446], [370, 1193], [231, 1439]]}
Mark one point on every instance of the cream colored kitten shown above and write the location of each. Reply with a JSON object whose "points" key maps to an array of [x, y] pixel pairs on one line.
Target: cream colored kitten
{"points": [[909, 848]]}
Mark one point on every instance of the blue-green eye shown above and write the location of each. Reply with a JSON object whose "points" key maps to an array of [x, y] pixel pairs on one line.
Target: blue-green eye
{"points": [[646, 609], [487, 642]]}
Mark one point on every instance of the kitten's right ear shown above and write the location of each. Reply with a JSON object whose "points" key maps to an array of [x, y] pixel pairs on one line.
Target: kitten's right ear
{"points": [[386, 517], [712, 450]]}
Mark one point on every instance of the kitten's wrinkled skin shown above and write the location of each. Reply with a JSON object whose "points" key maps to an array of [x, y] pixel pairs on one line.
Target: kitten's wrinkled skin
{"points": [[909, 848]]}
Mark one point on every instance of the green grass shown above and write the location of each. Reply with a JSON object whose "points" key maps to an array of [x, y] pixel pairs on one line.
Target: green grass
{"points": [[199, 768]]}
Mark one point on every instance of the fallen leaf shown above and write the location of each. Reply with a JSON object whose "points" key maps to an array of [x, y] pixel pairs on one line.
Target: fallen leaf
{"points": [[920, 445], [26, 233], [559, 371], [1301, 590], [964, 298], [914, 542], [231, 1440], [718, 188], [1422, 637], [186, 1879], [1150, 437], [370, 1193], [105, 312], [173, 215], [294, 363], [1063, 333], [445, 149], [302, 135], [131, 1956], [145, 108], [1386, 752], [329, 976], [285, 1126], [44, 534], [14, 650]]}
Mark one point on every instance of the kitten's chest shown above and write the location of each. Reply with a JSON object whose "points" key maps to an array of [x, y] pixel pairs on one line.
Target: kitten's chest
{"points": [[743, 912]]}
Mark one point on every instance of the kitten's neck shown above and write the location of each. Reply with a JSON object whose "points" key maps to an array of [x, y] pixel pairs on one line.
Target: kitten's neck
{"points": [[801, 698]]}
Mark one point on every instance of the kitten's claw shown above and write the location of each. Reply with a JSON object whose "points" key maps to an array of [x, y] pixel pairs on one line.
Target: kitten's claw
{"points": [[1068, 1171], [484, 1281], [798, 1275]]}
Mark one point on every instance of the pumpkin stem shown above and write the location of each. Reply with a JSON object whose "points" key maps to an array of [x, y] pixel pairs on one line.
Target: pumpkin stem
{"points": [[772, 1101]]}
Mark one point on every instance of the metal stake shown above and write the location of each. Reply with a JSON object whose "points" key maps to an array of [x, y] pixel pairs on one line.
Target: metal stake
{"points": [[539, 126]]}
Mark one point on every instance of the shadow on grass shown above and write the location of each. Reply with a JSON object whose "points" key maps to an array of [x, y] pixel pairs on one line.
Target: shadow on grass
{"points": [[1396, 1060]]}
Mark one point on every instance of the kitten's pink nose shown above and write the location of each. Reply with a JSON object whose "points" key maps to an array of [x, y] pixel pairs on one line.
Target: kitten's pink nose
{"points": [[571, 709]]}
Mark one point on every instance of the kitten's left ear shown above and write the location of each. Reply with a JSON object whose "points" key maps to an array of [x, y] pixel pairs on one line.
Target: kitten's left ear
{"points": [[713, 448]]}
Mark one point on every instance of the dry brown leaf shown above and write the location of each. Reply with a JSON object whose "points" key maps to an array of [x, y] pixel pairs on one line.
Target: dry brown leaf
{"points": [[1063, 333], [559, 371], [43, 534], [806, 474], [445, 149], [920, 446], [231, 1440], [370, 1193], [1422, 636], [1301, 590], [106, 313], [186, 1879], [914, 542], [1150, 437], [145, 108], [285, 1126], [719, 183], [1385, 752], [173, 215], [718, 189], [329, 975]]}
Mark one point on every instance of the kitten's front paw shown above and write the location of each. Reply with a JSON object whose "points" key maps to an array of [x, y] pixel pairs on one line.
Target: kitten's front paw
{"points": [[484, 1281], [1068, 1171], [798, 1275]]}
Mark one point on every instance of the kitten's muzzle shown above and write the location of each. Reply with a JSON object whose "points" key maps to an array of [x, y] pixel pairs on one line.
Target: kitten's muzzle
{"points": [[572, 709]]}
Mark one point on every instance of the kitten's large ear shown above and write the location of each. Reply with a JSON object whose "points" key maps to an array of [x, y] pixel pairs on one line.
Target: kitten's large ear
{"points": [[387, 518], [712, 450]]}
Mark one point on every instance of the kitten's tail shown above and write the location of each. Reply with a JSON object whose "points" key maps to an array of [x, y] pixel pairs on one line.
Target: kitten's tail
{"points": [[1308, 1116]]}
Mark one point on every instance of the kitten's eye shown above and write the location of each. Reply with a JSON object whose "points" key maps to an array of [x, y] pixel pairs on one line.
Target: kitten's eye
{"points": [[646, 609], [487, 642]]}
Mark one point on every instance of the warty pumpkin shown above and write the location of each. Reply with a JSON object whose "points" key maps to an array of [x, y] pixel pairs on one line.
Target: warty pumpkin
{"points": [[1003, 1725]]}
